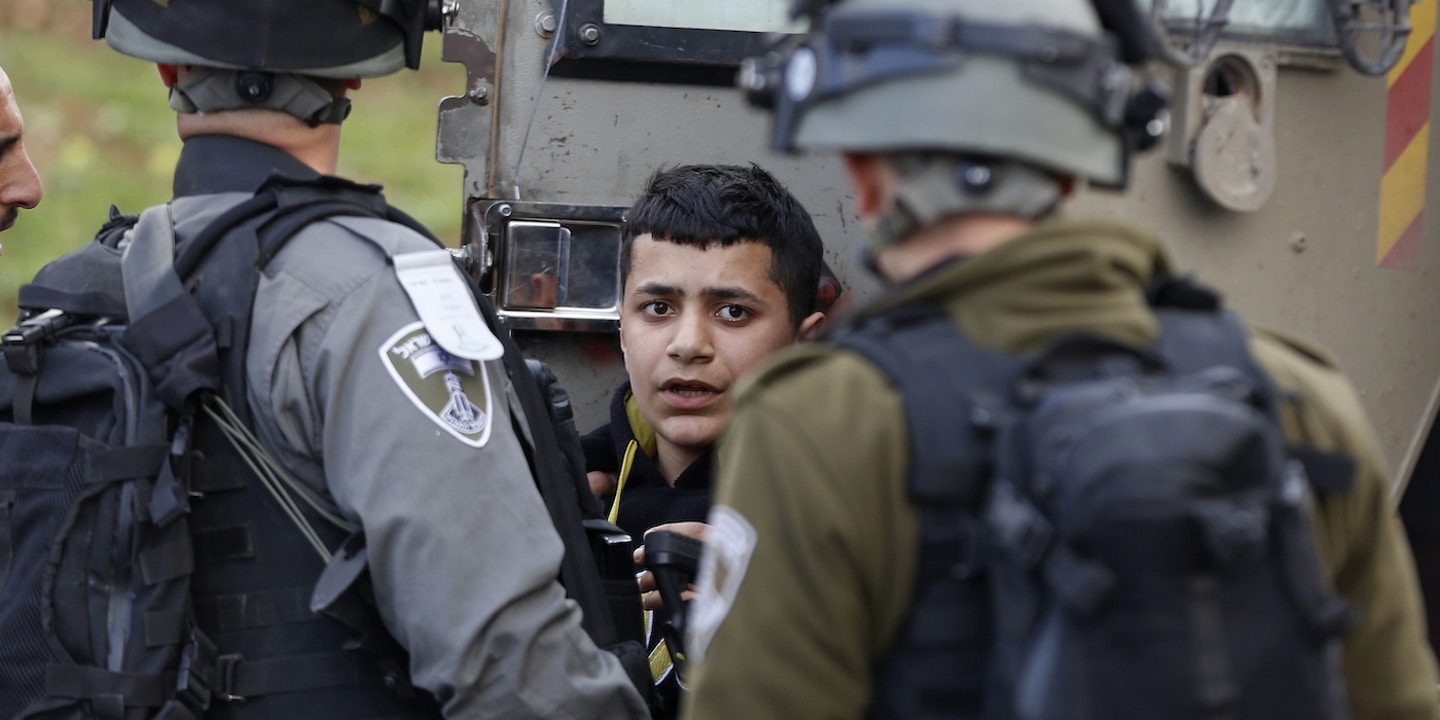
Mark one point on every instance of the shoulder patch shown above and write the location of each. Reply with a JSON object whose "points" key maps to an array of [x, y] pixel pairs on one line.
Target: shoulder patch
{"points": [[722, 568], [453, 392]]}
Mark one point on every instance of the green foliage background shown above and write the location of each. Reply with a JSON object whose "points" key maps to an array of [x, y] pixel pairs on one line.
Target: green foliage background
{"points": [[99, 130]]}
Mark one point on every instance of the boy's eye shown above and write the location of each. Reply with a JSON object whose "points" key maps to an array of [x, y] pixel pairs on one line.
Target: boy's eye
{"points": [[734, 313], [655, 307]]}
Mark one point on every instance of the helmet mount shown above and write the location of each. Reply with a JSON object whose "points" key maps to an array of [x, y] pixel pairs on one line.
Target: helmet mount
{"points": [[846, 84]]}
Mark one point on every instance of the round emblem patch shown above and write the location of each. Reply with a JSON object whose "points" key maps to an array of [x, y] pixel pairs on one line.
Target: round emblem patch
{"points": [[452, 391], [722, 567]]}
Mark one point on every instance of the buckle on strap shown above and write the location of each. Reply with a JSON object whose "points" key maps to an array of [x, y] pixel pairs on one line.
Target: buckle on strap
{"points": [[204, 675], [225, 676], [1018, 527], [22, 342]]}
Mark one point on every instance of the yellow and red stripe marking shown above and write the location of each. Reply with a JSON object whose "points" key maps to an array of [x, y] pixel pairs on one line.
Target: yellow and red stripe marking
{"points": [[1407, 145]]}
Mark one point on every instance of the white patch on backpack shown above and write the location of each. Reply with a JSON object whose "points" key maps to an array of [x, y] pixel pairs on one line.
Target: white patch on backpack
{"points": [[452, 391], [722, 568]]}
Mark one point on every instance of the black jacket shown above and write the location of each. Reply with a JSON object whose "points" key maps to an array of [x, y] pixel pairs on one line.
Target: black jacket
{"points": [[646, 500]]}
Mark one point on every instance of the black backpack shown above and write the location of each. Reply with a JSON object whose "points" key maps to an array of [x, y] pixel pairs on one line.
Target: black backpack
{"points": [[1107, 532], [111, 446]]}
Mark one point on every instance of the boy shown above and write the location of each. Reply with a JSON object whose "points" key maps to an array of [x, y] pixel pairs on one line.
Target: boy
{"points": [[719, 268]]}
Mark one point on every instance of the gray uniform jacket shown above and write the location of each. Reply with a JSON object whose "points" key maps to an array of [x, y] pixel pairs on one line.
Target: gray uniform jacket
{"points": [[464, 558]]}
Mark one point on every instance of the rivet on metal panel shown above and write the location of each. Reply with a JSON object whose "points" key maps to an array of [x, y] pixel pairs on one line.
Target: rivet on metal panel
{"points": [[1297, 241]]}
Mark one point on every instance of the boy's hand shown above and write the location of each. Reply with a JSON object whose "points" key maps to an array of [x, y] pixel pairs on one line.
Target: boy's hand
{"points": [[652, 601], [601, 483]]}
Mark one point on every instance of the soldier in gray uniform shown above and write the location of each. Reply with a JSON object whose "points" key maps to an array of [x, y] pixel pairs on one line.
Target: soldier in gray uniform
{"points": [[408, 435]]}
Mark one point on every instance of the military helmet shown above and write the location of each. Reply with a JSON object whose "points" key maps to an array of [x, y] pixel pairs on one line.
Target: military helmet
{"points": [[318, 38], [1042, 82]]}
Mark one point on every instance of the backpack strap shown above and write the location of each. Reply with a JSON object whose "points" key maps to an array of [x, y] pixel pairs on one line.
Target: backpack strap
{"points": [[941, 375], [1196, 333], [283, 206], [1198, 336], [940, 663], [168, 331]]}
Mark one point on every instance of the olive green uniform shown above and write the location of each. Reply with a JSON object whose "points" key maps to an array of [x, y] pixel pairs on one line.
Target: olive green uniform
{"points": [[815, 464]]}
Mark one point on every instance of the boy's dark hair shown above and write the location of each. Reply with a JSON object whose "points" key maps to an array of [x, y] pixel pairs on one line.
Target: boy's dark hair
{"points": [[705, 205]]}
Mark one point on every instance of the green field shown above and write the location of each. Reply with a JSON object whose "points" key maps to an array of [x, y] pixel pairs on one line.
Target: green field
{"points": [[100, 132]]}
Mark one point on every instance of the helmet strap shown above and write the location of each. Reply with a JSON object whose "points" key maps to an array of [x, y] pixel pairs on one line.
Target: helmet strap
{"points": [[215, 90]]}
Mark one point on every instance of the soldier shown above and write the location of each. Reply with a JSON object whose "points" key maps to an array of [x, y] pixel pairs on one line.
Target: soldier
{"points": [[19, 183], [964, 125], [408, 435]]}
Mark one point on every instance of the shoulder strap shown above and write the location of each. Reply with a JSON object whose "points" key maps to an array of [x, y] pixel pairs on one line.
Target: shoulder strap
{"points": [[940, 374], [1196, 333], [938, 666], [284, 206], [168, 332]]}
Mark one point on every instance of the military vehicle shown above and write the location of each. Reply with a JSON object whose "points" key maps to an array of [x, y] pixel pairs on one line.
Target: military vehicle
{"points": [[1293, 176]]}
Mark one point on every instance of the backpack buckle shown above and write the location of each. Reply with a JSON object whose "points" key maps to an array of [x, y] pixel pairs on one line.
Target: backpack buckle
{"points": [[225, 678], [22, 342], [205, 676], [196, 674], [1018, 527]]}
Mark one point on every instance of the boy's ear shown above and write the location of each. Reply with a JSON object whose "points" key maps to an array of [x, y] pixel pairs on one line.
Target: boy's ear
{"points": [[810, 327]]}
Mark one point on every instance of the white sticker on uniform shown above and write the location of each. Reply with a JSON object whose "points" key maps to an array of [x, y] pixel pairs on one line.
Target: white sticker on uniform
{"points": [[454, 392], [443, 301], [728, 546]]}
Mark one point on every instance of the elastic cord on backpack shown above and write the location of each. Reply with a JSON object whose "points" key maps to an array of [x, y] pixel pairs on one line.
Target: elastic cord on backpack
{"points": [[273, 475]]}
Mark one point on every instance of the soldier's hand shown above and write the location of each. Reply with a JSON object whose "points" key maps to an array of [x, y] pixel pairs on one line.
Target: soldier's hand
{"points": [[652, 601]]}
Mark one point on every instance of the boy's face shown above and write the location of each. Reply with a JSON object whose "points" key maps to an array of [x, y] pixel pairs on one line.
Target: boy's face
{"points": [[692, 323]]}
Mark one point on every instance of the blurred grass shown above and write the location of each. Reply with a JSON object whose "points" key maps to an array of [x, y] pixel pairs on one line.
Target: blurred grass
{"points": [[99, 130]]}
